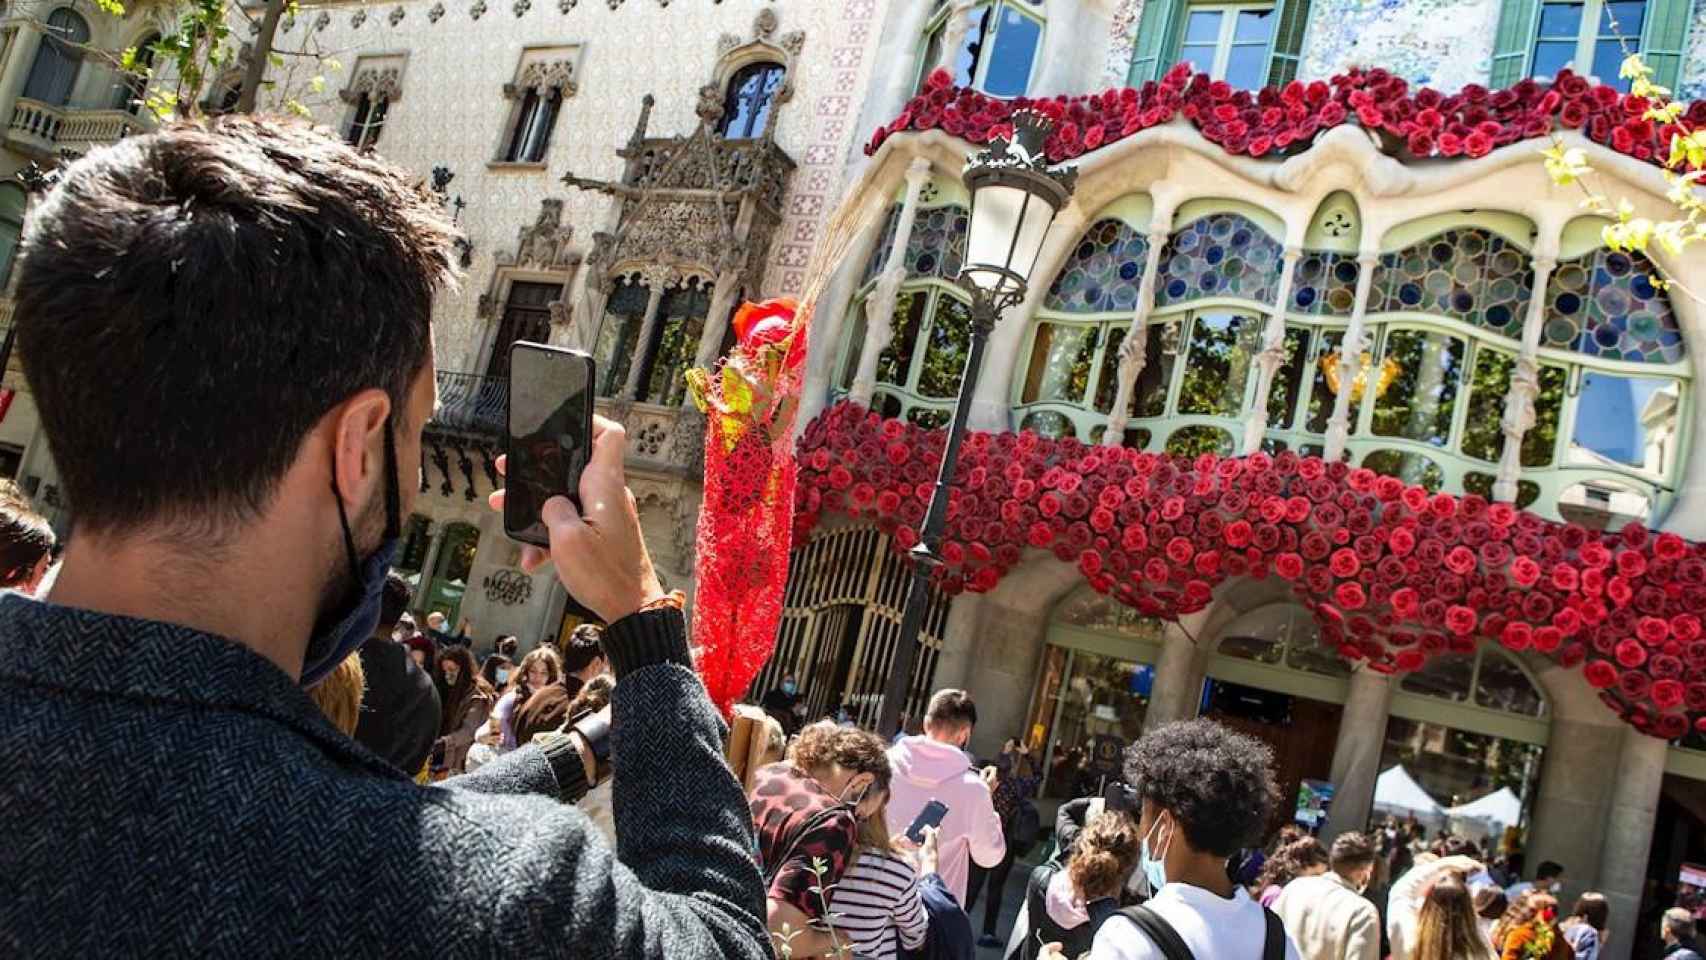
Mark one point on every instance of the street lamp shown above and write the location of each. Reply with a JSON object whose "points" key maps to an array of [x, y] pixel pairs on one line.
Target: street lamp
{"points": [[1014, 200]]}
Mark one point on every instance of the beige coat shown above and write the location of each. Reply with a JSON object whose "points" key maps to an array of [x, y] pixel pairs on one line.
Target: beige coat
{"points": [[1328, 920]]}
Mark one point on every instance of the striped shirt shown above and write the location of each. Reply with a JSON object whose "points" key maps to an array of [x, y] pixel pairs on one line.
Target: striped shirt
{"points": [[877, 904]]}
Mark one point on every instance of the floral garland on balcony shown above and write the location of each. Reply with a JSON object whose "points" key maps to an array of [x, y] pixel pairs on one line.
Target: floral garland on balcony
{"points": [[1393, 574], [1282, 120]]}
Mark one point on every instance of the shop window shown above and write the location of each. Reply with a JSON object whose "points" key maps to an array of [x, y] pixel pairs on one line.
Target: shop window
{"points": [[12, 203], [59, 58], [543, 79], [1487, 678], [1288, 379], [1108, 381], [1422, 398], [526, 316], [1228, 41], [1323, 391], [1435, 775], [619, 336], [750, 98], [450, 574], [1278, 635], [675, 342], [997, 51], [367, 121], [926, 358]]}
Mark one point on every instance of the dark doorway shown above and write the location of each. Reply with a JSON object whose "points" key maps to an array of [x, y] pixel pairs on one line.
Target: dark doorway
{"points": [[1300, 731]]}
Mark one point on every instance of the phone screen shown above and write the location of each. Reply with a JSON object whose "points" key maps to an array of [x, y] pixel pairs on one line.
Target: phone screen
{"points": [[931, 816], [550, 433]]}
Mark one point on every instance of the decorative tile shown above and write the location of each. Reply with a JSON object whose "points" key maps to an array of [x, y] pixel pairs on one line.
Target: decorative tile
{"points": [[1605, 305], [1103, 273]]}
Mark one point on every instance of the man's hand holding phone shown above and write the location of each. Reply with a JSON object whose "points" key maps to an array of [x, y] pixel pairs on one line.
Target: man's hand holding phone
{"points": [[598, 550]]}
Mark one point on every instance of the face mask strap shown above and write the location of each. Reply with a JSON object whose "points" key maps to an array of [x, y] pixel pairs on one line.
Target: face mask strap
{"points": [[393, 507]]}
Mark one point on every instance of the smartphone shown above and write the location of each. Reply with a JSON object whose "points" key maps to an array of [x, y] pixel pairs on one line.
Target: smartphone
{"points": [[550, 433], [931, 816]]}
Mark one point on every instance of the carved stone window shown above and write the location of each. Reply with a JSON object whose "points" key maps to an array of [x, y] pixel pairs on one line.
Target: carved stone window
{"points": [[619, 335], [545, 77], [377, 84], [748, 101], [675, 341], [526, 316]]}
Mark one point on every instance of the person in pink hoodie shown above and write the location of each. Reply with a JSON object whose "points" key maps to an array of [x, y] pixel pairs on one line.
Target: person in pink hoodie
{"points": [[935, 766]]}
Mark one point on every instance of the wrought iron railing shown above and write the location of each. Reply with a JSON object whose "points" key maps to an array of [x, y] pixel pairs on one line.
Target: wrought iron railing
{"points": [[472, 403]]}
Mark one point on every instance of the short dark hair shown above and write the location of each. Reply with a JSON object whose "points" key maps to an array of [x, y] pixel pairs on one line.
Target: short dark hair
{"points": [[393, 602], [25, 537], [506, 646], [951, 708], [1593, 909], [205, 294], [585, 645], [1548, 870], [1217, 783], [1453, 845], [1351, 851]]}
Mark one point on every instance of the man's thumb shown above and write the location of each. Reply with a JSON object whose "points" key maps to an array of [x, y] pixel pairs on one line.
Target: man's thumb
{"points": [[558, 511]]}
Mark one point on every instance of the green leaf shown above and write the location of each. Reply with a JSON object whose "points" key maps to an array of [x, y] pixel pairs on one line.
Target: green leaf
{"points": [[113, 7]]}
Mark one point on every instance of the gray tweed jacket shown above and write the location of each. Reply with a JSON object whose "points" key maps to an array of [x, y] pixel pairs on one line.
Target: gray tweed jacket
{"points": [[167, 793]]}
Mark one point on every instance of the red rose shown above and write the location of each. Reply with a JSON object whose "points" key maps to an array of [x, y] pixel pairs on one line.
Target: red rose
{"points": [[1289, 566], [1415, 498], [1619, 591], [1631, 563], [1669, 546], [1420, 144], [1207, 562], [1594, 555], [1297, 509], [1134, 540], [1547, 639], [1408, 661], [1404, 601], [1563, 577], [1635, 685], [1179, 550], [1600, 674], [1402, 541], [1567, 621], [1173, 508], [1652, 630], [1685, 627], [1461, 560], [1573, 115], [1350, 596], [1477, 144], [1041, 534], [1517, 635], [1525, 571], [1345, 563], [1090, 562], [1238, 533], [905, 538], [1460, 620], [1631, 654]]}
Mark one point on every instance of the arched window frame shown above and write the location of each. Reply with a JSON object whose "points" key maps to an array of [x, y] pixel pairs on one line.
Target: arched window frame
{"points": [[750, 115], [1470, 715], [130, 89], [981, 35], [58, 62]]}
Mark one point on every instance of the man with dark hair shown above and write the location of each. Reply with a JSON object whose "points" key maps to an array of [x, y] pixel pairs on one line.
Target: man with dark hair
{"points": [[1204, 792], [1548, 878], [399, 717], [583, 659], [1327, 916], [226, 329], [935, 767], [26, 542]]}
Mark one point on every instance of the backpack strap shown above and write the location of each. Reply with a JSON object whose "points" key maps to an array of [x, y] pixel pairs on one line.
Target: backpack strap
{"points": [[1275, 946], [1161, 933]]}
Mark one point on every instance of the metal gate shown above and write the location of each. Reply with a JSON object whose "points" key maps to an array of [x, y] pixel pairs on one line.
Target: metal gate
{"points": [[840, 620]]}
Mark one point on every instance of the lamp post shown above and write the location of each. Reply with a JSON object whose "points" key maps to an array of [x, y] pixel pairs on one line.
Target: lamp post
{"points": [[1014, 200]]}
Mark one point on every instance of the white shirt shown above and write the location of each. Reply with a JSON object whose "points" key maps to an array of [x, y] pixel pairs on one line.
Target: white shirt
{"points": [[1213, 927]]}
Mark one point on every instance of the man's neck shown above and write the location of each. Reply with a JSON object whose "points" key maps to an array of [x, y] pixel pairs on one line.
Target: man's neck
{"points": [[236, 592], [1207, 872]]}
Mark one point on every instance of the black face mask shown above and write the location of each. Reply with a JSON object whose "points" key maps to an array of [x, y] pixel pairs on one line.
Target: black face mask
{"points": [[342, 630]]}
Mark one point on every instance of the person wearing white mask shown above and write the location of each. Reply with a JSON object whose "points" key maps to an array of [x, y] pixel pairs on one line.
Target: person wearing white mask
{"points": [[1205, 792]]}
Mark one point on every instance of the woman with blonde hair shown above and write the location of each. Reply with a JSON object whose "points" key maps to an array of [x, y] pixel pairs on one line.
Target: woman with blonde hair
{"points": [[1067, 903], [1447, 927], [876, 906]]}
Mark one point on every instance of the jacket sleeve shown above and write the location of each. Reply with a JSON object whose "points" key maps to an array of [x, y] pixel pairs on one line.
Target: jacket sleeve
{"points": [[910, 918], [526, 770], [463, 737], [1068, 821], [988, 843]]}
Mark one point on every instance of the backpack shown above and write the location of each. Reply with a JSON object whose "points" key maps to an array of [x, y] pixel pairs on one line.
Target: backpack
{"points": [[1162, 934]]}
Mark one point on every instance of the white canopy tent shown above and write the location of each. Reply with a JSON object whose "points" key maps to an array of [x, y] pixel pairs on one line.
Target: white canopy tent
{"points": [[1397, 793], [1488, 816]]}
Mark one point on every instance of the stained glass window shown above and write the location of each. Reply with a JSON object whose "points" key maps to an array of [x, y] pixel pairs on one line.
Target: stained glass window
{"points": [[1606, 305], [1467, 273], [936, 247], [1103, 273], [1324, 284], [1221, 255]]}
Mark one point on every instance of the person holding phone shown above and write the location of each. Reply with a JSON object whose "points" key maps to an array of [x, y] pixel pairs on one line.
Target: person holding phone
{"points": [[235, 402], [935, 767]]}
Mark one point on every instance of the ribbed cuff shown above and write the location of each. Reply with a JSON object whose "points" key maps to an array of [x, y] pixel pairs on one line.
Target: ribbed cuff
{"points": [[565, 758], [646, 639]]}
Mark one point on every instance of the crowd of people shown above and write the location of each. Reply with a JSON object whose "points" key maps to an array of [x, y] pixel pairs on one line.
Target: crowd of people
{"points": [[234, 772]]}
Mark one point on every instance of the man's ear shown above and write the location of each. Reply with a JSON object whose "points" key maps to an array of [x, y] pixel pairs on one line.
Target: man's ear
{"points": [[357, 427]]}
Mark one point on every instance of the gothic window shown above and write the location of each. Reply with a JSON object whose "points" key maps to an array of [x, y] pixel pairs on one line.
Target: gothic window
{"points": [[750, 99], [368, 121], [526, 316], [675, 342], [532, 133], [619, 335], [58, 59], [544, 79]]}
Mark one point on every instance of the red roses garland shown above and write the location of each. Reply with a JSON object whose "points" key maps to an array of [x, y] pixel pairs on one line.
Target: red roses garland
{"points": [[1394, 575], [1280, 120]]}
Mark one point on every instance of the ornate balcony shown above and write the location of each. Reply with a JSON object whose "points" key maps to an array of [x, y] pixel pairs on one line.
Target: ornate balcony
{"points": [[723, 165], [468, 430], [47, 131]]}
